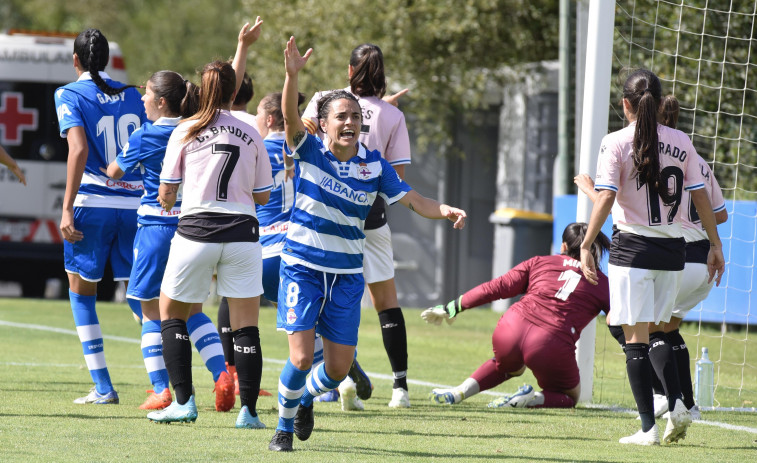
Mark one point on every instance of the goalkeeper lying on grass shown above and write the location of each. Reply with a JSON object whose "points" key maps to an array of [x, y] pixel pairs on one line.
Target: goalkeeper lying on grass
{"points": [[539, 331]]}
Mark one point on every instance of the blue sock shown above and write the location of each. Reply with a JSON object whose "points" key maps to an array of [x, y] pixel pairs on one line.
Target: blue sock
{"points": [[205, 337], [88, 327], [317, 383], [135, 306], [152, 352], [291, 387]]}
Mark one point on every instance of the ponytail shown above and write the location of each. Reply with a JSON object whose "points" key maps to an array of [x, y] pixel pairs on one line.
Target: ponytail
{"points": [[573, 236], [644, 93], [216, 90], [91, 47], [368, 77], [182, 96], [669, 110]]}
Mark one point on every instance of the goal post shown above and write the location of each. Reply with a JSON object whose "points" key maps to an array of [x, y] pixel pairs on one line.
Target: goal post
{"points": [[593, 127]]}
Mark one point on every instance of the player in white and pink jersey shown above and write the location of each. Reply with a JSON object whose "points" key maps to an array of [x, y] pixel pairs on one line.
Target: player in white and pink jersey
{"points": [[383, 129], [226, 170], [694, 282], [642, 171]]}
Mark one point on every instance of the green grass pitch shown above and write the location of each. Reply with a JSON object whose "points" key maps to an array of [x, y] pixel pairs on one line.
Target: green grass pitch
{"points": [[43, 370]]}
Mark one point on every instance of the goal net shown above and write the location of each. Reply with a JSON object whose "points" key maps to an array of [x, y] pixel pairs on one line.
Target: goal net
{"points": [[705, 53]]}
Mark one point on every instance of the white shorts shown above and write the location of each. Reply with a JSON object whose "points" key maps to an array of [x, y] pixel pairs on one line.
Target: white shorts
{"points": [[639, 295], [694, 288], [378, 257], [191, 264]]}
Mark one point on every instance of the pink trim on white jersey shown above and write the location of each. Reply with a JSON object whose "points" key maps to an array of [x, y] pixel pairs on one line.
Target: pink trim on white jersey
{"points": [[383, 128], [220, 168], [634, 210]]}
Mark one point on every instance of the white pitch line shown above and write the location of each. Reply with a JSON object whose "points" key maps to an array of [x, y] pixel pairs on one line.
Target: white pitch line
{"points": [[282, 362]]}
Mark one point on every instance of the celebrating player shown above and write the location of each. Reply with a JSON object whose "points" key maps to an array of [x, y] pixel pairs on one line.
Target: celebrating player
{"points": [[383, 129], [694, 284], [539, 331], [321, 286], [223, 164], [642, 171], [99, 219]]}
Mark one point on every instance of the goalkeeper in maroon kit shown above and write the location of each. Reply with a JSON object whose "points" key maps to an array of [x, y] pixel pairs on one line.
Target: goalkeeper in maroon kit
{"points": [[539, 331]]}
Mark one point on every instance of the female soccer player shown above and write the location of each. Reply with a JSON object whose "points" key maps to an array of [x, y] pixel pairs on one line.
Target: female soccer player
{"points": [[225, 170], [540, 330], [642, 171], [383, 129], [694, 284], [321, 286], [99, 219]]}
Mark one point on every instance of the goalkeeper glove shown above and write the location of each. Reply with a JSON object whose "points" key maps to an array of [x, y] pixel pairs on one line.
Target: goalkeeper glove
{"points": [[448, 312]]}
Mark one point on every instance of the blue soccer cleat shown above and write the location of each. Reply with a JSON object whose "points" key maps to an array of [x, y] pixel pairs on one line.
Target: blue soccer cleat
{"points": [[96, 398], [329, 396], [246, 420], [186, 413], [446, 396], [520, 399], [362, 382]]}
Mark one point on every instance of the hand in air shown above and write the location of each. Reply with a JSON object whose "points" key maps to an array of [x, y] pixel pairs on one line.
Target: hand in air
{"points": [[293, 60], [248, 35], [584, 183], [394, 99]]}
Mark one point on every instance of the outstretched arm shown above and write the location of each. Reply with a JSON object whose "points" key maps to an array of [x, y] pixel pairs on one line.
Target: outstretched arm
{"points": [[11, 164], [293, 62], [247, 36], [433, 209]]}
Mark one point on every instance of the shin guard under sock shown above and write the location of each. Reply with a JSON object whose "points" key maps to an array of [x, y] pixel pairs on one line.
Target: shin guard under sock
{"points": [[224, 331], [249, 361], [639, 371], [177, 353], [394, 336]]}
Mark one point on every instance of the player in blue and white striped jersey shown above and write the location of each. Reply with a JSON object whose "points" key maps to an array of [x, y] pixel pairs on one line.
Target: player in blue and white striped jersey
{"points": [[337, 181], [98, 221]]}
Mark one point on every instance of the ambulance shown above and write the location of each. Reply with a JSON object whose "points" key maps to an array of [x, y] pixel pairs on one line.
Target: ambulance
{"points": [[32, 66]]}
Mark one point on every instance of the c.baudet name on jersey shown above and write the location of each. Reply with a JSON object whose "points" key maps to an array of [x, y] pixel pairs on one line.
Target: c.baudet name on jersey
{"points": [[213, 131], [343, 190]]}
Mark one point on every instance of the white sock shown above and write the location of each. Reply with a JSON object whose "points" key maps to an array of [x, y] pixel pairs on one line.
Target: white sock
{"points": [[469, 388]]}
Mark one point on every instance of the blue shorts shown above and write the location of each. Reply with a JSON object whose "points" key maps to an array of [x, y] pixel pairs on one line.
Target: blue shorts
{"points": [[151, 247], [327, 301], [271, 279], [108, 234]]}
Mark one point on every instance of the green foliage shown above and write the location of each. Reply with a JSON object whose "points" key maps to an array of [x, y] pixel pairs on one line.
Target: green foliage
{"points": [[704, 58], [447, 52]]}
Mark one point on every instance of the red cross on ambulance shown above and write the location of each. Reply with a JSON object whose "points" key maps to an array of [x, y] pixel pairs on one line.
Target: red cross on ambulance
{"points": [[14, 118]]}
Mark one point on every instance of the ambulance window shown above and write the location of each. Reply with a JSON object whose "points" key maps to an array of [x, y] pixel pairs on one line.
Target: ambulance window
{"points": [[28, 124]]}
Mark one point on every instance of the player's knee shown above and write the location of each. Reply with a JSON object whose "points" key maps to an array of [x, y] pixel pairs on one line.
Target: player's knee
{"points": [[300, 360]]}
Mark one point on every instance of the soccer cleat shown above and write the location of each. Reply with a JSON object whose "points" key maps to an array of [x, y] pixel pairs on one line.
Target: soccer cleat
{"points": [[330, 396], [520, 399], [400, 398], [660, 405], [263, 393], [224, 390], [157, 401], [96, 398], [304, 421], [362, 382], [348, 394], [651, 437], [446, 396], [281, 442], [696, 415], [678, 422], [246, 420], [232, 369], [186, 413]]}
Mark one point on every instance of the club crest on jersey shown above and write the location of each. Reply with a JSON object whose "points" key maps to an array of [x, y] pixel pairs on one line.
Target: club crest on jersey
{"points": [[363, 171], [291, 316]]}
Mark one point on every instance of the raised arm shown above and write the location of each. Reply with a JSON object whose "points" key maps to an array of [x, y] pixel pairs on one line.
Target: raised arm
{"points": [[293, 127], [433, 209], [247, 36]]}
